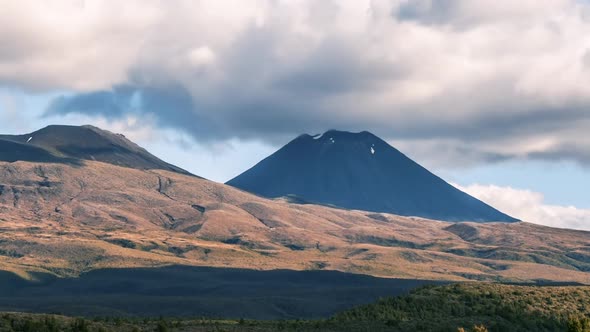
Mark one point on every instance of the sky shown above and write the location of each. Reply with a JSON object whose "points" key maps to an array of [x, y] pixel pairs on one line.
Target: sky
{"points": [[492, 95]]}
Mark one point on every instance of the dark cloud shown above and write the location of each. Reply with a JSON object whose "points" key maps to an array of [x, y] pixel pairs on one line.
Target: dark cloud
{"points": [[277, 116], [335, 67], [113, 103], [282, 111], [571, 151], [172, 106]]}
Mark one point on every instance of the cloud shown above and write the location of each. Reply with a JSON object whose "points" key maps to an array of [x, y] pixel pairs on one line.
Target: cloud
{"points": [[491, 79], [123, 101], [530, 206]]}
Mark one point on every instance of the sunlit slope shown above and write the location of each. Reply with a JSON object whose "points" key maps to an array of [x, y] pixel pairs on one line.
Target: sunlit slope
{"points": [[66, 219]]}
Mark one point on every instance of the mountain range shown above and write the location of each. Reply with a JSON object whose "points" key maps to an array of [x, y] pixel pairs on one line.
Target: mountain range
{"points": [[77, 199]]}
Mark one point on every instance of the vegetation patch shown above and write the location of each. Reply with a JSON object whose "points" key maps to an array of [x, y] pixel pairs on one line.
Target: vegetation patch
{"points": [[494, 306], [122, 243], [385, 242]]}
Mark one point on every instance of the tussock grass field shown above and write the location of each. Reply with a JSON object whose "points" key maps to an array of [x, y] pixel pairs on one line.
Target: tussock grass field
{"points": [[68, 219]]}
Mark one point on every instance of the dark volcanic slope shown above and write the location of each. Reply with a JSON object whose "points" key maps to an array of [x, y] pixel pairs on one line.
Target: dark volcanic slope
{"points": [[71, 143], [361, 171], [11, 151]]}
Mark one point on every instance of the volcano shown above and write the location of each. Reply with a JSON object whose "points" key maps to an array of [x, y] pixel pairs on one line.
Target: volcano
{"points": [[363, 172]]}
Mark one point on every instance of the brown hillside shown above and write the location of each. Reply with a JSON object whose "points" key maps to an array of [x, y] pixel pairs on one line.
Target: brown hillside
{"points": [[66, 219]]}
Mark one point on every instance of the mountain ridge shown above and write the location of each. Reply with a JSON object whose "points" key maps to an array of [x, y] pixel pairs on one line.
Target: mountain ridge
{"points": [[73, 144]]}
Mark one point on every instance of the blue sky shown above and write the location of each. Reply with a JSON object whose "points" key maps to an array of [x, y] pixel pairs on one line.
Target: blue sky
{"points": [[562, 183], [491, 95]]}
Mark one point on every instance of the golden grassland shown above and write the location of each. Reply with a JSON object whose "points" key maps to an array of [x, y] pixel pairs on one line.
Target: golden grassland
{"points": [[67, 219]]}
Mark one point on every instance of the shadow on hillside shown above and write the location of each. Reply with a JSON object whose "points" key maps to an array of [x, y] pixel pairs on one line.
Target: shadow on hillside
{"points": [[199, 292], [13, 151]]}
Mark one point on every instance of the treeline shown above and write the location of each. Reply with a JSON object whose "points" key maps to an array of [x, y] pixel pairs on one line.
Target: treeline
{"points": [[478, 305], [43, 323]]}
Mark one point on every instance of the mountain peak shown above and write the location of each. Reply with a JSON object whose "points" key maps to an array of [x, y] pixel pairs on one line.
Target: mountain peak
{"points": [[63, 143], [342, 133], [361, 171], [342, 139]]}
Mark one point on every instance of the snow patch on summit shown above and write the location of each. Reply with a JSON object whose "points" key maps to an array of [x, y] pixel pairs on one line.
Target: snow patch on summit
{"points": [[372, 150], [318, 136], [30, 138]]}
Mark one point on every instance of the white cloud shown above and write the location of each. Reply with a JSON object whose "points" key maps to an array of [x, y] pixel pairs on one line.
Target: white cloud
{"points": [[471, 74], [530, 206], [201, 56]]}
